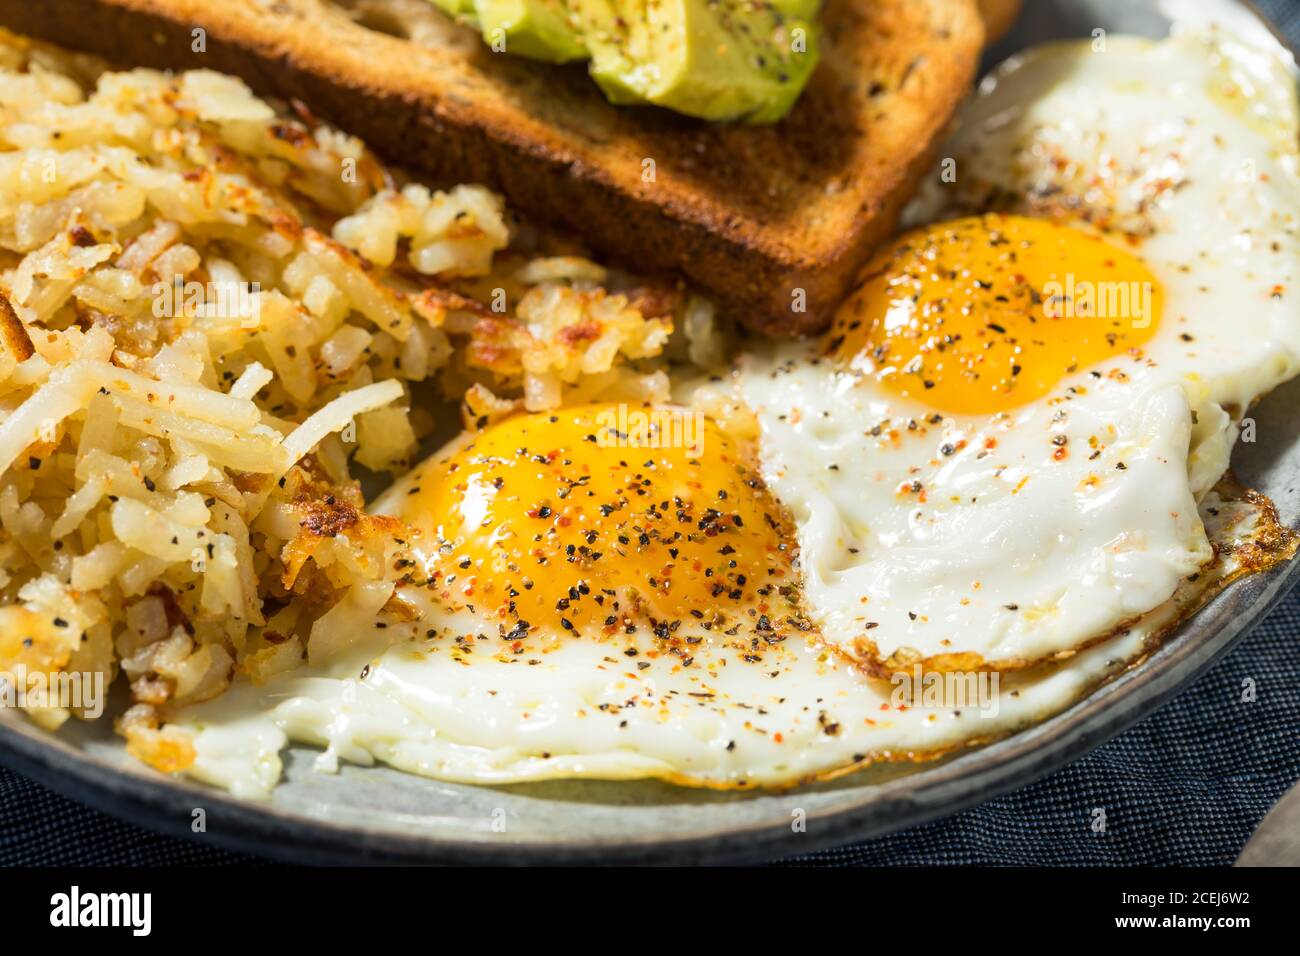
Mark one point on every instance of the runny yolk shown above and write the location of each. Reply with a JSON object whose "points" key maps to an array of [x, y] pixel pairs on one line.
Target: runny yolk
{"points": [[988, 313], [578, 521]]}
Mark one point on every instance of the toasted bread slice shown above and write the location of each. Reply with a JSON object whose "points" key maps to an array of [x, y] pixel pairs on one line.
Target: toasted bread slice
{"points": [[773, 220]]}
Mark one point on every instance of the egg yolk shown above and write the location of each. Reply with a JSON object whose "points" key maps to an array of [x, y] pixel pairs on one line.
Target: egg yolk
{"points": [[599, 520], [987, 313]]}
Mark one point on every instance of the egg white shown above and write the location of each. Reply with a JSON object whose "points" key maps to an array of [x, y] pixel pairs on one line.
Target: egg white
{"points": [[1013, 556]]}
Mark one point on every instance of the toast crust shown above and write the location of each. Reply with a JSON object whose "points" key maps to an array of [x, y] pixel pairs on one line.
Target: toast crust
{"points": [[764, 218]]}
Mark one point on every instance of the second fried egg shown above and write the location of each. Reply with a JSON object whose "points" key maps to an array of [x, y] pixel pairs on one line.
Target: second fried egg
{"points": [[994, 455]]}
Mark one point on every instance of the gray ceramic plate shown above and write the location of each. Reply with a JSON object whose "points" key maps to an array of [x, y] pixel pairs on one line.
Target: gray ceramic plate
{"points": [[378, 814]]}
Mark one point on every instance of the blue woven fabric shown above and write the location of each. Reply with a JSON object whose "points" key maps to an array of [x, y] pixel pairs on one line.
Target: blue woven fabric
{"points": [[1284, 13], [1187, 786]]}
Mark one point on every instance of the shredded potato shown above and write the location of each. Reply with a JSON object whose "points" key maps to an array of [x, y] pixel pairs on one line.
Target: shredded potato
{"points": [[208, 310]]}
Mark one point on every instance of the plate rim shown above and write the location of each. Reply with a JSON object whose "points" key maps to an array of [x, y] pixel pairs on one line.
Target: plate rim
{"points": [[164, 803]]}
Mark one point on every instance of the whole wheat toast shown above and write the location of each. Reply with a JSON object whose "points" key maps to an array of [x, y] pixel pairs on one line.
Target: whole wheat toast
{"points": [[774, 221]]}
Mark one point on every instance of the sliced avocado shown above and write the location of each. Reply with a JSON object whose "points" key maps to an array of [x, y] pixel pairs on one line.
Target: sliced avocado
{"points": [[460, 9], [617, 34], [723, 59], [802, 9], [537, 29], [714, 59]]}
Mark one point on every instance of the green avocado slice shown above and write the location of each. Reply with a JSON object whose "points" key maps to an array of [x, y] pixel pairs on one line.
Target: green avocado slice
{"points": [[459, 9], [801, 9], [730, 59], [537, 29], [617, 34], [717, 60]]}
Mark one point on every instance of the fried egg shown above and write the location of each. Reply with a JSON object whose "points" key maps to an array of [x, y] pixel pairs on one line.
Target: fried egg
{"points": [[993, 456], [1003, 459], [726, 716]]}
